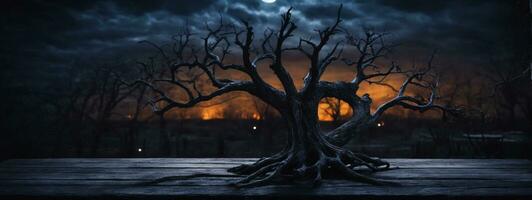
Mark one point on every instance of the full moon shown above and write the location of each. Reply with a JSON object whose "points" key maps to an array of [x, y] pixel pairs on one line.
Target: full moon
{"points": [[268, 1]]}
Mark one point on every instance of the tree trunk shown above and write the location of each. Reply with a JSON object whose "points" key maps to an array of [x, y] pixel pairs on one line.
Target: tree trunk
{"points": [[95, 145], [131, 139], [163, 137], [308, 155], [267, 139], [77, 130]]}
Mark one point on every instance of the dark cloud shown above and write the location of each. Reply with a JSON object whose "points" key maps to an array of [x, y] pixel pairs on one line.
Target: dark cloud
{"points": [[178, 7], [328, 11], [419, 5], [54, 33]]}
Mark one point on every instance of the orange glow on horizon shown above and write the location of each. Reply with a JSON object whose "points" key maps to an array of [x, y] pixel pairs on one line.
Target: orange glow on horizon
{"points": [[256, 116], [211, 113]]}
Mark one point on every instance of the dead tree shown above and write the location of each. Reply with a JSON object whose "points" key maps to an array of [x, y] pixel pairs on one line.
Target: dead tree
{"points": [[149, 67], [309, 154], [109, 93], [66, 107], [515, 93], [134, 123], [73, 105]]}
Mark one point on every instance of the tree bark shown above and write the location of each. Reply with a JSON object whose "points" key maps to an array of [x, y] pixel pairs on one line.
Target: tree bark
{"points": [[163, 136], [131, 139]]}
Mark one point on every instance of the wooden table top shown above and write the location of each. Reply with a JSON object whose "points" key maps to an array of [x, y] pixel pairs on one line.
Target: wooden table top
{"points": [[207, 178]]}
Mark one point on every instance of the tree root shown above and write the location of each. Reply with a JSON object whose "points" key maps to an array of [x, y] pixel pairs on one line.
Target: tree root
{"points": [[295, 166]]}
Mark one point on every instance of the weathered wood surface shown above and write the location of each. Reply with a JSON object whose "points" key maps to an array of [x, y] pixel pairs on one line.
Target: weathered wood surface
{"points": [[199, 178]]}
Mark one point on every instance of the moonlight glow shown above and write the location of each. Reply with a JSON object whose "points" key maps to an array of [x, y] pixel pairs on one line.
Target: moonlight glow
{"points": [[268, 1]]}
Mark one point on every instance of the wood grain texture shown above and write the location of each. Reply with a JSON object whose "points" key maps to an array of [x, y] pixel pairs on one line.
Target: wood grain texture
{"points": [[206, 178]]}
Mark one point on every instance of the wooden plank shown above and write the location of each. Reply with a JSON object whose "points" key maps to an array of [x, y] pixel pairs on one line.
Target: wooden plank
{"points": [[137, 173], [274, 192], [221, 162], [218, 181], [129, 178]]}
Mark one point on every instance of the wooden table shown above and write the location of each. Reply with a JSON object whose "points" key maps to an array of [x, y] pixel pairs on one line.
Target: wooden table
{"points": [[206, 178]]}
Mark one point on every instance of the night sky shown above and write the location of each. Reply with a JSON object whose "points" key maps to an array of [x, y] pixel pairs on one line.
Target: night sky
{"points": [[43, 38], [55, 58], [56, 32]]}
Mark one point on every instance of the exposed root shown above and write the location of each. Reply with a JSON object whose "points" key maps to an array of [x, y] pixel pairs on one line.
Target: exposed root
{"points": [[262, 178], [353, 175], [246, 169], [309, 167]]}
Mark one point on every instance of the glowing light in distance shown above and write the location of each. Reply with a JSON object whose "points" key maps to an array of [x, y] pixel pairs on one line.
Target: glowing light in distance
{"points": [[268, 1]]}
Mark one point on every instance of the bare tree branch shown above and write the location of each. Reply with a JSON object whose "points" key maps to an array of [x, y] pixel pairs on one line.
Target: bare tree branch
{"points": [[285, 31], [317, 64], [413, 103]]}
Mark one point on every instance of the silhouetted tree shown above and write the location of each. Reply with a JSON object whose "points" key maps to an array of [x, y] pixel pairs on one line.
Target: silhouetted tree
{"points": [[70, 100], [134, 122], [333, 109], [308, 154], [65, 107], [509, 68], [109, 92]]}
